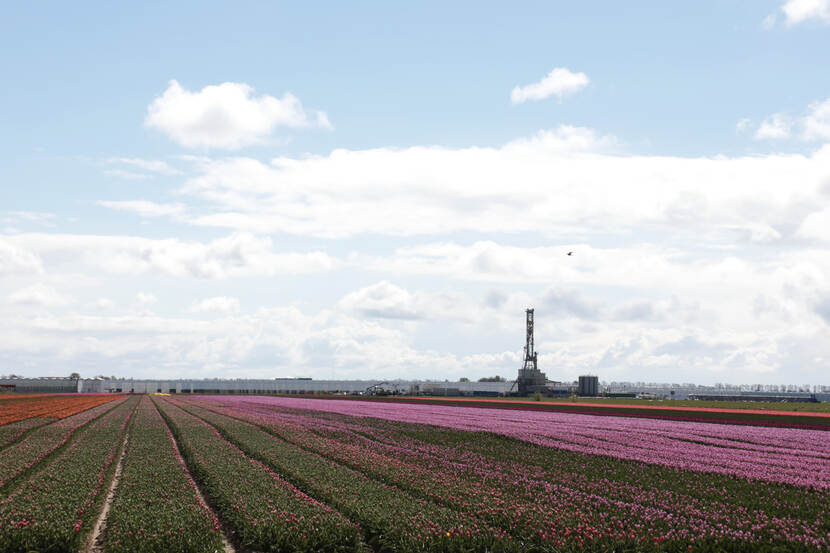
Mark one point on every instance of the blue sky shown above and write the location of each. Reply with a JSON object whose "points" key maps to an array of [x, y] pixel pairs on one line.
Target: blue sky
{"points": [[373, 189]]}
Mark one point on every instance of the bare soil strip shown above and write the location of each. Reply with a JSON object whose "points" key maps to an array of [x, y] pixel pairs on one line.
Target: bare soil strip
{"points": [[229, 548], [95, 544]]}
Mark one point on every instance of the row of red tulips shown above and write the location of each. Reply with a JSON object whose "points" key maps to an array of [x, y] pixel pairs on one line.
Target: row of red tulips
{"points": [[56, 506], [51, 405], [391, 519], [19, 457], [156, 507], [546, 496], [262, 511], [10, 433]]}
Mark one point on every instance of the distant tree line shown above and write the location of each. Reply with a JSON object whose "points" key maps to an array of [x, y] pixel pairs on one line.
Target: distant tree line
{"points": [[496, 378]]}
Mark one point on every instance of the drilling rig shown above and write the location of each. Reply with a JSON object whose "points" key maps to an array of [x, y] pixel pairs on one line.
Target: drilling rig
{"points": [[530, 379]]}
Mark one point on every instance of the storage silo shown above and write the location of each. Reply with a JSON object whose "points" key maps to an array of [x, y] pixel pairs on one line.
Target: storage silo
{"points": [[588, 385]]}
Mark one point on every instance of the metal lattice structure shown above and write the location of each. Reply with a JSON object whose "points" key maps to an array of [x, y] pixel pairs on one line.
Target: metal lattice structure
{"points": [[530, 352], [530, 379]]}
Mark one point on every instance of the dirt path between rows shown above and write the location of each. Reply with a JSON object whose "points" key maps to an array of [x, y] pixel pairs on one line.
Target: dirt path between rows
{"points": [[95, 544]]}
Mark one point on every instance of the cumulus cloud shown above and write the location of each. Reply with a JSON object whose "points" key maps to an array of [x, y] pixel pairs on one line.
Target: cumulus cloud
{"points": [[38, 295], [236, 255], [814, 125], [104, 304], [558, 182], [776, 126], [126, 167], [817, 121], [18, 260], [124, 174], [570, 303], [823, 309], [563, 140], [218, 304], [385, 300], [145, 298], [144, 208], [559, 82], [746, 256], [798, 11], [227, 116], [39, 217], [275, 341], [371, 335], [816, 225]]}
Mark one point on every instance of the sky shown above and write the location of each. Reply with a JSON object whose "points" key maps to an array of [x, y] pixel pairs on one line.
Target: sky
{"points": [[379, 190]]}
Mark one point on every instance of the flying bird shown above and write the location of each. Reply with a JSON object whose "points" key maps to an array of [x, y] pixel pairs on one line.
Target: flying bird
{"points": [[570, 253]]}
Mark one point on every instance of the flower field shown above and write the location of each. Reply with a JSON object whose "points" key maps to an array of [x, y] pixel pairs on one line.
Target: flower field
{"points": [[211, 473], [156, 506], [17, 408], [52, 509], [10, 433], [21, 456]]}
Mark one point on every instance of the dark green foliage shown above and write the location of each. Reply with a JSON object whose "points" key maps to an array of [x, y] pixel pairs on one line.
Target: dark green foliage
{"points": [[155, 507]]}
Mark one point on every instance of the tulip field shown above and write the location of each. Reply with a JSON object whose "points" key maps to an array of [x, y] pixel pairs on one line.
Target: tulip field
{"points": [[207, 474]]}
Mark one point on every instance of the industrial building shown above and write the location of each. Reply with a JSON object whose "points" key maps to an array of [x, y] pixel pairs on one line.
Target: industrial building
{"points": [[42, 385], [530, 380], [588, 386]]}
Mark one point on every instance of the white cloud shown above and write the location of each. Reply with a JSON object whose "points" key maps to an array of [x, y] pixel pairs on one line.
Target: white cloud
{"points": [[236, 255], [38, 295], [816, 225], [18, 260], [559, 82], [384, 300], [39, 217], [149, 165], [563, 140], [576, 331], [104, 304], [776, 126], [632, 267], [144, 208], [814, 125], [270, 342], [702, 268], [145, 298], [225, 116], [129, 175], [564, 182], [798, 11], [817, 121], [218, 304]]}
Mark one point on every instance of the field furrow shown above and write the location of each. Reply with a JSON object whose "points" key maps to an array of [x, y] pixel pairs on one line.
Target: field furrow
{"points": [[661, 442], [154, 507], [528, 500], [195, 474], [24, 455], [54, 508], [263, 511], [12, 432], [393, 519]]}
